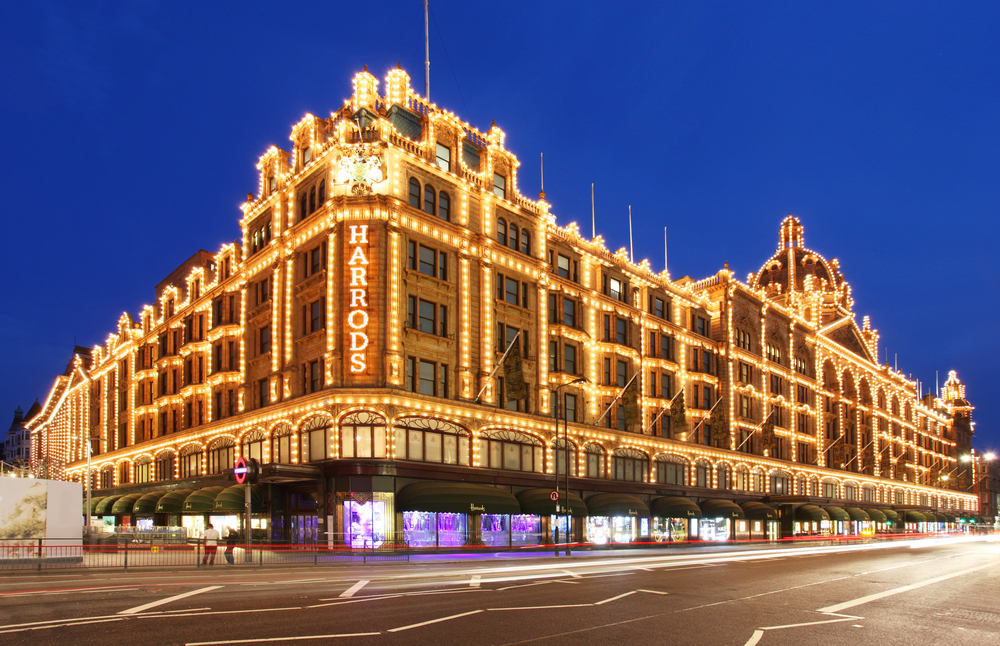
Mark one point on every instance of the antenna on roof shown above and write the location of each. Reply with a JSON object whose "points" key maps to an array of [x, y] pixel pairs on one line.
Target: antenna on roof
{"points": [[541, 157], [593, 221], [427, 54], [631, 250], [665, 251]]}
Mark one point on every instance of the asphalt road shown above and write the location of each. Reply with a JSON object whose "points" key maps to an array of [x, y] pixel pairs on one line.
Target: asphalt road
{"points": [[921, 592]]}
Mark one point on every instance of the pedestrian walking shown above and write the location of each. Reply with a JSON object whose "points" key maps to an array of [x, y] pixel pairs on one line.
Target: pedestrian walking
{"points": [[231, 538], [211, 538]]}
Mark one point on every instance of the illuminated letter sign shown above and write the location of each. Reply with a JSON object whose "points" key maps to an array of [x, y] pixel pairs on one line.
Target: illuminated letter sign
{"points": [[357, 309]]}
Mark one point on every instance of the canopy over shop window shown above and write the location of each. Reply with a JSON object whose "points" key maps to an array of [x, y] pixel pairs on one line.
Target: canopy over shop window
{"points": [[858, 514], [233, 499], [722, 509], [94, 500], [103, 508], [759, 511], [538, 503], [837, 513], [807, 513], [173, 502], [617, 504], [675, 507], [891, 515], [123, 506], [202, 500], [875, 515], [912, 516], [456, 498]]}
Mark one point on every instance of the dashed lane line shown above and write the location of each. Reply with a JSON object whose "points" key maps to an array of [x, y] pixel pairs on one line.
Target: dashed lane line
{"points": [[434, 621], [280, 639], [349, 592]]}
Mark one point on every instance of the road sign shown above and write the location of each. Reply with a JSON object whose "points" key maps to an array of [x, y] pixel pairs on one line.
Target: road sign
{"points": [[554, 496], [241, 470]]}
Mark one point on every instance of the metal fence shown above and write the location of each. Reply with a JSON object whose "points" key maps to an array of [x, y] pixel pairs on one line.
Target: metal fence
{"points": [[125, 553]]}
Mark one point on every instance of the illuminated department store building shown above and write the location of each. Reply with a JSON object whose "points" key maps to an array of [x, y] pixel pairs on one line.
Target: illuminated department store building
{"points": [[351, 345]]}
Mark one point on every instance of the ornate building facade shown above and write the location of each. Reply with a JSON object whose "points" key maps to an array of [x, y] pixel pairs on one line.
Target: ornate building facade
{"points": [[351, 344]]}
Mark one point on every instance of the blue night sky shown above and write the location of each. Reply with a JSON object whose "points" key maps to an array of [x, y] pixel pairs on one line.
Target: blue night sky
{"points": [[132, 131]]}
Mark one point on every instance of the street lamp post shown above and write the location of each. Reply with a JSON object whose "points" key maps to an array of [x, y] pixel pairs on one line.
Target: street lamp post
{"points": [[560, 405]]}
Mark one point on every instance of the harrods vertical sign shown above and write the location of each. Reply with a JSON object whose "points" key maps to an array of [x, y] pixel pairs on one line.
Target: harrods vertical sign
{"points": [[360, 290]]}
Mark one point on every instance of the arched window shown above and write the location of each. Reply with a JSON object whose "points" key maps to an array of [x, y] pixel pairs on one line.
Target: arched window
{"points": [[724, 475], [124, 471], [742, 478], [221, 455], [444, 206], [316, 439], [525, 242], [281, 445], [108, 477], [253, 446], [596, 461], [190, 460], [868, 493], [801, 486], [362, 435], [814, 486], [561, 458], [431, 440], [830, 488], [757, 480], [303, 212], [514, 237], [414, 193], [779, 484], [321, 199], [143, 467], [429, 199], [631, 466], [702, 474], [312, 199], [511, 450], [671, 469], [165, 466], [502, 231]]}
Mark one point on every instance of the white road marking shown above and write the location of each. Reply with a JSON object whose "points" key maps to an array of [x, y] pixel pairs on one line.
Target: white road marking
{"points": [[160, 615], [433, 621], [653, 591], [601, 603], [280, 639], [528, 585], [349, 592], [572, 574], [61, 623], [109, 588], [153, 604], [906, 588], [474, 583], [757, 634], [810, 623], [567, 605]]}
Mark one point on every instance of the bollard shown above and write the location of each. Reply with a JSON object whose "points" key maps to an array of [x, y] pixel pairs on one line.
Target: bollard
{"points": [[126, 556], [40, 554]]}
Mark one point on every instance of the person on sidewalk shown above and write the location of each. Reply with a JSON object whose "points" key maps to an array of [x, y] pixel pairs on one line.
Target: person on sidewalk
{"points": [[231, 538], [211, 538]]}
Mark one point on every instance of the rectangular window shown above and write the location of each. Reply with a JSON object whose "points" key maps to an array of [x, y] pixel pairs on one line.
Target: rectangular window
{"points": [[316, 316], [314, 376], [659, 308], [563, 267], [265, 339], [615, 289], [607, 371], [444, 158], [622, 373], [570, 407], [665, 347], [700, 326], [569, 313], [621, 331], [745, 408], [665, 386], [745, 374], [553, 356], [499, 185], [569, 359], [264, 393]]}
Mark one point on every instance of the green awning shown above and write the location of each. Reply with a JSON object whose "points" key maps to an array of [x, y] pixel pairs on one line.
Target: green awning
{"points": [[721, 509], [891, 515], [912, 516], [202, 501], [759, 511], [675, 507], [103, 508], [538, 503], [948, 518], [456, 498], [837, 513], [617, 504], [93, 504], [147, 504], [233, 499], [173, 501], [932, 517], [811, 512], [858, 514], [876, 515], [123, 506]]}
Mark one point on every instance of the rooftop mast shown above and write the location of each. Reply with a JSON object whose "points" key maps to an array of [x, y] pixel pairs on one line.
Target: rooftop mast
{"points": [[427, 54]]}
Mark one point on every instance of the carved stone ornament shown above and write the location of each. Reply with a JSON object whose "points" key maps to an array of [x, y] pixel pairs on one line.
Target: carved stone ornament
{"points": [[361, 167]]}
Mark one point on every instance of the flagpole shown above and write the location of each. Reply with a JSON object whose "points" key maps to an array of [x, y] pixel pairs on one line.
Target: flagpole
{"points": [[497, 367], [759, 426], [593, 221], [665, 251], [617, 397], [631, 249], [671, 403]]}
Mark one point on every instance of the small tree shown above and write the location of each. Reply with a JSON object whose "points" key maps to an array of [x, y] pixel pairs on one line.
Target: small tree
{"points": [[719, 427], [678, 415]]}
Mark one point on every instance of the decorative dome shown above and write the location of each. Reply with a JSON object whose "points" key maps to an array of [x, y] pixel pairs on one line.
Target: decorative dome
{"points": [[794, 269]]}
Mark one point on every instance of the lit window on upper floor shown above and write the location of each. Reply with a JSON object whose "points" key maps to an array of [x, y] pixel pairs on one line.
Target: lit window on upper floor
{"points": [[444, 157], [499, 185]]}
